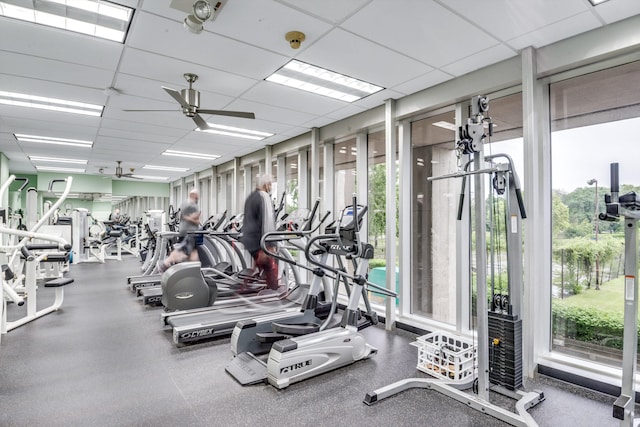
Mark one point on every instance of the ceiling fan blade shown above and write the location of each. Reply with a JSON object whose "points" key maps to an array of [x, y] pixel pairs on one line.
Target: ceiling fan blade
{"points": [[138, 111], [202, 124], [177, 96], [242, 114]]}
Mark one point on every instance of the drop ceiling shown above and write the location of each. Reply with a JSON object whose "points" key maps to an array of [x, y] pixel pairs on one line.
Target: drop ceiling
{"points": [[402, 45]]}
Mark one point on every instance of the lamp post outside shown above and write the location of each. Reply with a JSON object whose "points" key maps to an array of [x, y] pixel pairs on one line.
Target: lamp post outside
{"points": [[591, 182]]}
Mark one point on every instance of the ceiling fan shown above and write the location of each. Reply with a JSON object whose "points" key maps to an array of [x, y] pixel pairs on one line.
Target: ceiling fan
{"points": [[189, 100], [120, 174]]}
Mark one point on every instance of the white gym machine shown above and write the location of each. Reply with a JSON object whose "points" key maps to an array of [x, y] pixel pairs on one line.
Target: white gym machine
{"points": [[25, 283], [627, 206], [500, 327]]}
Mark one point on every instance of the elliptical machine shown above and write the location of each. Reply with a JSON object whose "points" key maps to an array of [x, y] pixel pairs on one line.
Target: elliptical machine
{"points": [[299, 358]]}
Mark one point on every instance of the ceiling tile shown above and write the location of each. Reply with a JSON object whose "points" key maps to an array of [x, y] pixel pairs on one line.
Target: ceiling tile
{"points": [[53, 128], [294, 99], [478, 60], [164, 36], [346, 111], [378, 99], [428, 32], [557, 31], [161, 70], [515, 17], [422, 82], [269, 22], [53, 43], [616, 10], [271, 113], [28, 66], [69, 92], [133, 130], [346, 53], [333, 11]]}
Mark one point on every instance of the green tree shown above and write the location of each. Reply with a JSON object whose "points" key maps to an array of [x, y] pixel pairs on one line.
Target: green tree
{"points": [[559, 216], [377, 201]]}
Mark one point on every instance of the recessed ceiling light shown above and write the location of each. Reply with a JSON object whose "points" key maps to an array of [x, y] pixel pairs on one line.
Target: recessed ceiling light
{"points": [[165, 168], [163, 178], [445, 125], [50, 140], [597, 2], [311, 78], [97, 18], [189, 154], [52, 104], [57, 169], [237, 132], [57, 160]]}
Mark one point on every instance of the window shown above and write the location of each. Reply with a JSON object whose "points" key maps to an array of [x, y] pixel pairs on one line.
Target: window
{"points": [[435, 205], [593, 120], [291, 185], [344, 157], [433, 208]]}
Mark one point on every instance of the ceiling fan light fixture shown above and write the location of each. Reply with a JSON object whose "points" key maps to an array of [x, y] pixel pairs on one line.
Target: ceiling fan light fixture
{"points": [[193, 24]]}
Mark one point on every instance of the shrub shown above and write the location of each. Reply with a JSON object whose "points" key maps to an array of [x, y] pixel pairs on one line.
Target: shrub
{"points": [[588, 324], [377, 262]]}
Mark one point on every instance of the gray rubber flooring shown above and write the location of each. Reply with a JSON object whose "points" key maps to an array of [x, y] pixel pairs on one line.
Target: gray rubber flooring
{"points": [[104, 360]]}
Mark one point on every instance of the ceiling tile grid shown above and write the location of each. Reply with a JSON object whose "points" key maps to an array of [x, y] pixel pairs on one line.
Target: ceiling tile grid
{"points": [[404, 46]]}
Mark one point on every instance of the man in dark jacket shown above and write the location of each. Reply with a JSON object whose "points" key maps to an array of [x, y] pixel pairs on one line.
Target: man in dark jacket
{"points": [[258, 220]]}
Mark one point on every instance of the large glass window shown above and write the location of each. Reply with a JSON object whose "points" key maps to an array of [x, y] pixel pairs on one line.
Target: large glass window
{"points": [[433, 207], [228, 202], [204, 202], [344, 157], [594, 118], [291, 173]]}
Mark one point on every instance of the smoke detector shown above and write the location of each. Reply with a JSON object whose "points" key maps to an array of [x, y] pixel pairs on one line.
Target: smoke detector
{"points": [[294, 38]]}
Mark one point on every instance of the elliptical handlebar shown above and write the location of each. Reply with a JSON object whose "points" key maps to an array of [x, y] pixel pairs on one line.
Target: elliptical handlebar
{"points": [[336, 271], [279, 236]]}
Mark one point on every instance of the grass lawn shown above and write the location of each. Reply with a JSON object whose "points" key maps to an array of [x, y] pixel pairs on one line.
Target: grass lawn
{"points": [[609, 298]]}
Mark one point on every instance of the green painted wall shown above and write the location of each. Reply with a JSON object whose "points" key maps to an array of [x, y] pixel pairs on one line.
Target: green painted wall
{"points": [[81, 183], [4, 175], [143, 189]]}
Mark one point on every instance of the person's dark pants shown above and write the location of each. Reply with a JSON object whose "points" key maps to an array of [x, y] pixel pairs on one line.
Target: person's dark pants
{"points": [[269, 267]]}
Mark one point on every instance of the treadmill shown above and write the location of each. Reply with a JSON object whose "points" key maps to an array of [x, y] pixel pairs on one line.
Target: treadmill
{"points": [[220, 319]]}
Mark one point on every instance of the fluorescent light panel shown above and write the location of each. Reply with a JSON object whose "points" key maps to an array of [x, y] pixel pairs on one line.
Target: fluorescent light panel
{"points": [[97, 18], [51, 140], [57, 160], [165, 168], [163, 178], [52, 104], [311, 78], [237, 132], [58, 169], [445, 125], [200, 156]]}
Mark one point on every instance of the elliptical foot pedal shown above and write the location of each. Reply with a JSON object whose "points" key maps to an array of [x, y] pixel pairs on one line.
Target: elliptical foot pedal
{"points": [[247, 369]]}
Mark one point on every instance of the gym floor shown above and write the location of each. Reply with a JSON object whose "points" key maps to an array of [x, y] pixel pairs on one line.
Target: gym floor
{"points": [[104, 360]]}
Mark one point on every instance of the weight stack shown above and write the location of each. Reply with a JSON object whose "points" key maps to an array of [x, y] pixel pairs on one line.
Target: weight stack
{"points": [[505, 359]]}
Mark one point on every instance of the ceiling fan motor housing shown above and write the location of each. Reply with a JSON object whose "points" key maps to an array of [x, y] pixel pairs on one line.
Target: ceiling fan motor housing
{"points": [[192, 97]]}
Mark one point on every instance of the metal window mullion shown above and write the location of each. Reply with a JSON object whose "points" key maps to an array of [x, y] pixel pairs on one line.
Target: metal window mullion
{"points": [[362, 180], [406, 221], [390, 243]]}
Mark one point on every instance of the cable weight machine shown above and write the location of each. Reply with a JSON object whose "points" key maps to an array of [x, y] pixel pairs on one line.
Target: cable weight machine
{"points": [[627, 206], [499, 337]]}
